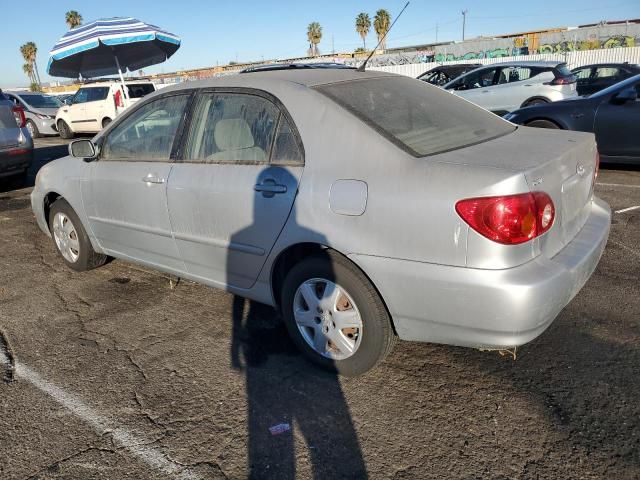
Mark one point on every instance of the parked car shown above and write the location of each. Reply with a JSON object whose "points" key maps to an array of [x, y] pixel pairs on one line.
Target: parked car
{"points": [[445, 73], [593, 78], [362, 204], [16, 145], [504, 87], [95, 105], [40, 110], [613, 114]]}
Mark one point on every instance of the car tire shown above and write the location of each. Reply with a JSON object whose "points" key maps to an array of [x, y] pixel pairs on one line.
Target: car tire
{"points": [[543, 124], [371, 342], [71, 239], [64, 130], [33, 129], [105, 122], [534, 101]]}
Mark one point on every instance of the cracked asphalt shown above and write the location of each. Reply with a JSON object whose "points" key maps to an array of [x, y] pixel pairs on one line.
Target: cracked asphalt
{"points": [[120, 373]]}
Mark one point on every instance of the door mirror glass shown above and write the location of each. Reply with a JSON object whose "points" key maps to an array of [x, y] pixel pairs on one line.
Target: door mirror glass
{"points": [[82, 149], [626, 95]]}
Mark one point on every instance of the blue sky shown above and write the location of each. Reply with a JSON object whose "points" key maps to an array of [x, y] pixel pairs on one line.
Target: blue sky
{"points": [[219, 31]]}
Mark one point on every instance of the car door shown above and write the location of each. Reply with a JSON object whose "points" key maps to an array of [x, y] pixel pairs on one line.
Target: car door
{"points": [[477, 87], [95, 109], [232, 192], [605, 77], [125, 195], [77, 110], [584, 78], [617, 127]]}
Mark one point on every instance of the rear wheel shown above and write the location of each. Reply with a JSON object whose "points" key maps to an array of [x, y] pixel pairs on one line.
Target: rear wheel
{"points": [[33, 129], [543, 124], [71, 240], [335, 316], [64, 130]]}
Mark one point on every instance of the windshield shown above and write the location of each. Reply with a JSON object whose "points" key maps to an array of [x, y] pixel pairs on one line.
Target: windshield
{"points": [[40, 101], [420, 118], [629, 82]]}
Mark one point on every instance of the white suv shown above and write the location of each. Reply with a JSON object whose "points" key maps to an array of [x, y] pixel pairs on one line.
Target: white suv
{"points": [[504, 87], [96, 104]]}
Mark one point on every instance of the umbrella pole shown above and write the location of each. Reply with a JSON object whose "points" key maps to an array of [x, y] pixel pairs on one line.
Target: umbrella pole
{"points": [[124, 88]]}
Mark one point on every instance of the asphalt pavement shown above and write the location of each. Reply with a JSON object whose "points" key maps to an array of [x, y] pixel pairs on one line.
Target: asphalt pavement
{"points": [[121, 373]]}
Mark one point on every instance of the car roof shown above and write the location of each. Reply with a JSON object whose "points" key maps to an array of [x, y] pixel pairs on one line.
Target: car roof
{"points": [[292, 66], [609, 64], [532, 63], [263, 79]]}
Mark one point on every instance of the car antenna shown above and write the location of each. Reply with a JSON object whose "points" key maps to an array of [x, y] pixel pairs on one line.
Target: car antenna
{"points": [[364, 65]]}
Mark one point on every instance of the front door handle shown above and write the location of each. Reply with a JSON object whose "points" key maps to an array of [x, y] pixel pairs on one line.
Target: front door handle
{"points": [[269, 188], [153, 178]]}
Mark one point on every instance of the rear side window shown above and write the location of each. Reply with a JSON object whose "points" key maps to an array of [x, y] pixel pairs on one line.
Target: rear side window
{"points": [[97, 94], [419, 118], [139, 90]]}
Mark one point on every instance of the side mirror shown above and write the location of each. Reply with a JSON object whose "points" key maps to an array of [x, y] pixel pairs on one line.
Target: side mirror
{"points": [[626, 95], [84, 149]]}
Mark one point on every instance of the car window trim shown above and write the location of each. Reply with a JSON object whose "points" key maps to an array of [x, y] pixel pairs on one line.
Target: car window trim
{"points": [[132, 110], [282, 110]]}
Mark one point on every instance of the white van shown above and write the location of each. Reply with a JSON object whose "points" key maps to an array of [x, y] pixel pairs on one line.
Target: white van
{"points": [[96, 104]]}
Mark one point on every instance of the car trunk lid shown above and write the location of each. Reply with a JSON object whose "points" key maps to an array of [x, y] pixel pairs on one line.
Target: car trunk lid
{"points": [[559, 163]]}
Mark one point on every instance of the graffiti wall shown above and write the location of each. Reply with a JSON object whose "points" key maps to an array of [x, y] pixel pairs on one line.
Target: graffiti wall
{"points": [[578, 39]]}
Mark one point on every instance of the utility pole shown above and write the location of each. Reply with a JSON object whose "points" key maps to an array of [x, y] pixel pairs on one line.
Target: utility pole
{"points": [[333, 50], [436, 32], [464, 21]]}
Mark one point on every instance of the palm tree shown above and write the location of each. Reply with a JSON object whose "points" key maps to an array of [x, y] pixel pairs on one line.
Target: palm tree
{"points": [[73, 19], [28, 69], [314, 35], [363, 25], [29, 52], [381, 24]]}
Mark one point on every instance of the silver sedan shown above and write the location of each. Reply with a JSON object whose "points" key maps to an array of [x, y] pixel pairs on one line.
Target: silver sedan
{"points": [[366, 206]]}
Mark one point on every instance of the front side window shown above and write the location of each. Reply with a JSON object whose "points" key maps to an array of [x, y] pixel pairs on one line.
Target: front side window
{"points": [[81, 96], [420, 119], [480, 79], [230, 127], [148, 133]]}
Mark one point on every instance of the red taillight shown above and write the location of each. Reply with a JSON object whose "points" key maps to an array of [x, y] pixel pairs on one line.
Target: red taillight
{"points": [[18, 113], [509, 219], [117, 98], [564, 80]]}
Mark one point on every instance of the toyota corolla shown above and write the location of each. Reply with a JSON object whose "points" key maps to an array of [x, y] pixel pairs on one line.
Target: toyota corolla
{"points": [[365, 206]]}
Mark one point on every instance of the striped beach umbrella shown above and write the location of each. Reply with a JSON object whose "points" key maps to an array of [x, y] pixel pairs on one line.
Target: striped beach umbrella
{"points": [[110, 46]]}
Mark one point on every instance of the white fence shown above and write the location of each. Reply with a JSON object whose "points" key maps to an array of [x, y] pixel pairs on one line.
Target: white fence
{"points": [[573, 59]]}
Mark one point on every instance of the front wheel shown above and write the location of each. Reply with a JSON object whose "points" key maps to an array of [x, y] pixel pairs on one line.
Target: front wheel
{"points": [[335, 316], [33, 129], [71, 239], [64, 130], [542, 124]]}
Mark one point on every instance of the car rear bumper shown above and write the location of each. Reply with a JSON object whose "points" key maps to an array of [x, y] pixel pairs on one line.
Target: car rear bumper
{"points": [[487, 308], [15, 161]]}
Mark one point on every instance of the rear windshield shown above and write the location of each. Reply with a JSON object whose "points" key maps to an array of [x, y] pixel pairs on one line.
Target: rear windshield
{"points": [[140, 90], [41, 101], [563, 70], [420, 118]]}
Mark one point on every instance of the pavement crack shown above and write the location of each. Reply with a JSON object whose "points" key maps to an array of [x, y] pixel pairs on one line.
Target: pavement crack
{"points": [[55, 465], [6, 359]]}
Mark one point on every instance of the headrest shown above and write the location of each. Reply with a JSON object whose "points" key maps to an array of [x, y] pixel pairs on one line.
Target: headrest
{"points": [[233, 134]]}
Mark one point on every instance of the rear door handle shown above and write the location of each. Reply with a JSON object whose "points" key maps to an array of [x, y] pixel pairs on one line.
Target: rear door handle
{"points": [[269, 188], [153, 178]]}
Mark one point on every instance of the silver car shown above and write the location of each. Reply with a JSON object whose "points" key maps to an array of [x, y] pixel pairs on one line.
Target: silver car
{"points": [[16, 146], [504, 87], [366, 206], [40, 110]]}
